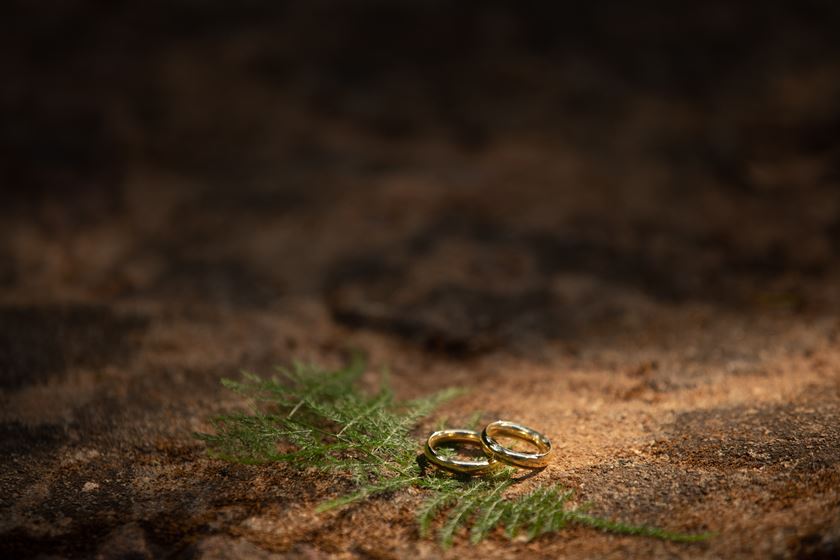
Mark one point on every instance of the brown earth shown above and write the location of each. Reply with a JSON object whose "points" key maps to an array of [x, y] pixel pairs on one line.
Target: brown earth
{"points": [[620, 226]]}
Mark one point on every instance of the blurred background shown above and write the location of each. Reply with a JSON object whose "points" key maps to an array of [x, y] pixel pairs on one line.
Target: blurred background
{"points": [[406, 160], [651, 130], [462, 190]]}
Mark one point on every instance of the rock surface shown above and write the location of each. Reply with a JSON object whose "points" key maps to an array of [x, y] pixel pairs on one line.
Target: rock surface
{"points": [[620, 225]]}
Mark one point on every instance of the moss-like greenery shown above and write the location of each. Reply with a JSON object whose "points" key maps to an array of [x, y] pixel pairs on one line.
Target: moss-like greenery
{"points": [[309, 417]]}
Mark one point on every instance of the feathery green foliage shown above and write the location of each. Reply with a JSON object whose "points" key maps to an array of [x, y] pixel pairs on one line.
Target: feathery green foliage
{"points": [[309, 417]]}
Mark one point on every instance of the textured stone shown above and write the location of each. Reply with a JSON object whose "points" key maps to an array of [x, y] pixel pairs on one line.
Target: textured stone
{"points": [[618, 223]]}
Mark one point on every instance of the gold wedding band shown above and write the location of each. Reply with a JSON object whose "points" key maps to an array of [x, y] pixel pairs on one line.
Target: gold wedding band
{"points": [[452, 464], [517, 458]]}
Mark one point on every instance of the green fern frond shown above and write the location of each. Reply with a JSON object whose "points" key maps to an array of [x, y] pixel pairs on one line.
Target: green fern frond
{"points": [[435, 504], [470, 500], [490, 512], [310, 417], [637, 530]]}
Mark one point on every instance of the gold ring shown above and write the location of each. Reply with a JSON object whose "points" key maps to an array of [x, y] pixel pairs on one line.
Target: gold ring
{"points": [[457, 465], [517, 458]]}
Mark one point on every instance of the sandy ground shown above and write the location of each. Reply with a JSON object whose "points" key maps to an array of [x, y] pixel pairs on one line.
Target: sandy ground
{"points": [[621, 228]]}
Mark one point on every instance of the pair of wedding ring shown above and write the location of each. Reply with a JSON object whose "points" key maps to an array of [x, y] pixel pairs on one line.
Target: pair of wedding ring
{"points": [[494, 452]]}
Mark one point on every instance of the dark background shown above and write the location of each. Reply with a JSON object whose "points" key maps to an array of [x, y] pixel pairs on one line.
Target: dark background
{"points": [[688, 151], [89, 86]]}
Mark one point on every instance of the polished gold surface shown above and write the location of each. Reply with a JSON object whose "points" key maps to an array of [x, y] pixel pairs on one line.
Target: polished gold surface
{"points": [[503, 454], [452, 464]]}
